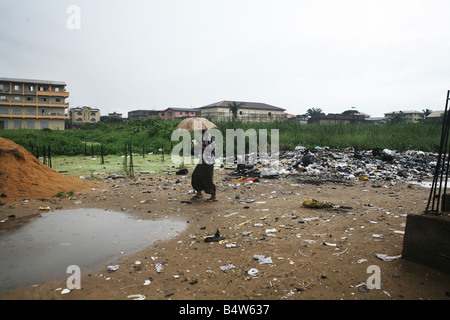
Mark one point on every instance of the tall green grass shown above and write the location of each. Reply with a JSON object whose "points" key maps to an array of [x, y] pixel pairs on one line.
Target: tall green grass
{"points": [[154, 134]]}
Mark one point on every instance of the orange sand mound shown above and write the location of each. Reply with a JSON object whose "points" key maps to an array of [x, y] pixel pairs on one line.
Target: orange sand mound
{"points": [[22, 176]]}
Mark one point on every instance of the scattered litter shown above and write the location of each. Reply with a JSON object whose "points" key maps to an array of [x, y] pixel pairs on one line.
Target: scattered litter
{"points": [[227, 267], [113, 268], [137, 296], [330, 244], [313, 203], [147, 282], [375, 235], [215, 238], [253, 272], [361, 260], [385, 257], [65, 291], [158, 267], [262, 259]]}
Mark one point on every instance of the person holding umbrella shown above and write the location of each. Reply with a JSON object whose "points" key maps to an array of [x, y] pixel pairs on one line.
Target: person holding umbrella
{"points": [[202, 177]]}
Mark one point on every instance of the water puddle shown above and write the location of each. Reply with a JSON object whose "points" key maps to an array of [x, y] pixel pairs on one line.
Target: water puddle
{"points": [[42, 248]]}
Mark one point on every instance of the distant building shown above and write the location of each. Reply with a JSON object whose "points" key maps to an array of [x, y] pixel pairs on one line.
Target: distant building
{"points": [[179, 113], [337, 118], [407, 116], [436, 114], [32, 104], [143, 114], [115, 114], [300, 118], [249, 111], [170, 113], [84, 114]]}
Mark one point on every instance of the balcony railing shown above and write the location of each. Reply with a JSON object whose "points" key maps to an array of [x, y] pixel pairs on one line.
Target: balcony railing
{"points": [[34, 116], [33, 103]]}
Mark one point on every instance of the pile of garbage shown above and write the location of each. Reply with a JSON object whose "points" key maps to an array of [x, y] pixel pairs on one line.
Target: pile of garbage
{"points": [[345, 164]]}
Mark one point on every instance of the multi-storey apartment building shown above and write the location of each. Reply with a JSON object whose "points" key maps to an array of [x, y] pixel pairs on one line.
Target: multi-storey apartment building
{"points": [[32, 104]]}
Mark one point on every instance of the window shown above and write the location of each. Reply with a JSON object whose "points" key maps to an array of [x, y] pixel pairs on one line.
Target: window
{"points": [[30, 124], [17, 124], [240, 112], [58, 99], [56, 89], [4, 111], [31, 88], [16, 87], [29, 98], [44, 124], [17, 111], [3, 98], [43, 99], [16, 98], [1, 87], [269, 114]]}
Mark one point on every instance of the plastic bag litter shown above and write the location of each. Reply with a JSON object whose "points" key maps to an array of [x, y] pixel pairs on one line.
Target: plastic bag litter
{"points": [[227, 267], [385, 257], [262, 259], [113, 268], [313, 203]]}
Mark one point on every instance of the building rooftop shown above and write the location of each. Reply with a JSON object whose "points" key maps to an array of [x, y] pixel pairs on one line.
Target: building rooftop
{"points": [[246, 105], [182, 109], [60, 83]]}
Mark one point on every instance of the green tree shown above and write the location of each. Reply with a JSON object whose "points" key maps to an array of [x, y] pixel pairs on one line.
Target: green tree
{"points": [[351, 112], [234, 108], [426, 113], [312, 111]]}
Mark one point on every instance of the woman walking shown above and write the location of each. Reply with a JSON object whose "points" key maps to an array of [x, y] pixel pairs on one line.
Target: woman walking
{"points": [[202, 177]]}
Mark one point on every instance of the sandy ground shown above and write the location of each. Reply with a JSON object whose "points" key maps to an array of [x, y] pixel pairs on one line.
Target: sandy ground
{"points": [[317, 254]]}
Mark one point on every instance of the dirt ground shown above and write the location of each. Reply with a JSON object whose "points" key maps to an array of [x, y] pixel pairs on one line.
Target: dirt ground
{"points": [[317, 254]]}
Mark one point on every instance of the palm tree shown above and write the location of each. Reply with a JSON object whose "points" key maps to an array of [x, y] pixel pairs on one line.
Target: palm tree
{"points": [[426, 113], [312, 111], [234, 107]]}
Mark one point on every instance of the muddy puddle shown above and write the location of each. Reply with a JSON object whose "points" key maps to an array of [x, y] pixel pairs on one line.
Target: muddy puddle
{"points": [[42, 248]]}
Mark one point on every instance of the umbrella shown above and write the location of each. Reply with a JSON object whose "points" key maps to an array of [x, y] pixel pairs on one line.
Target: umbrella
{"points": [[194, 123]]}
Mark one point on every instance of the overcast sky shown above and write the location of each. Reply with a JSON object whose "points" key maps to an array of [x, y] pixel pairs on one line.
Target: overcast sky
{"points": [[375, 56]]}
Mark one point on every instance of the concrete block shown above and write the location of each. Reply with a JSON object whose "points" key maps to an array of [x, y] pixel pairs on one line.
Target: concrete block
{"points": [[427, 240]]}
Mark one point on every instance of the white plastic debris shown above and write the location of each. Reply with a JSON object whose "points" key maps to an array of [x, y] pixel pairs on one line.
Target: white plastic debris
{"points": [[385, 257], [158, 267], [227, 267], [253, 272], [262, 259], [113, 268], [137, 296], [65, 291]]}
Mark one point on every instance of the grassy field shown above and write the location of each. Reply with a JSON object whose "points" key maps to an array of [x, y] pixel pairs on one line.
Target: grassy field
{"points": [[115, 165], [153, 135]]}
